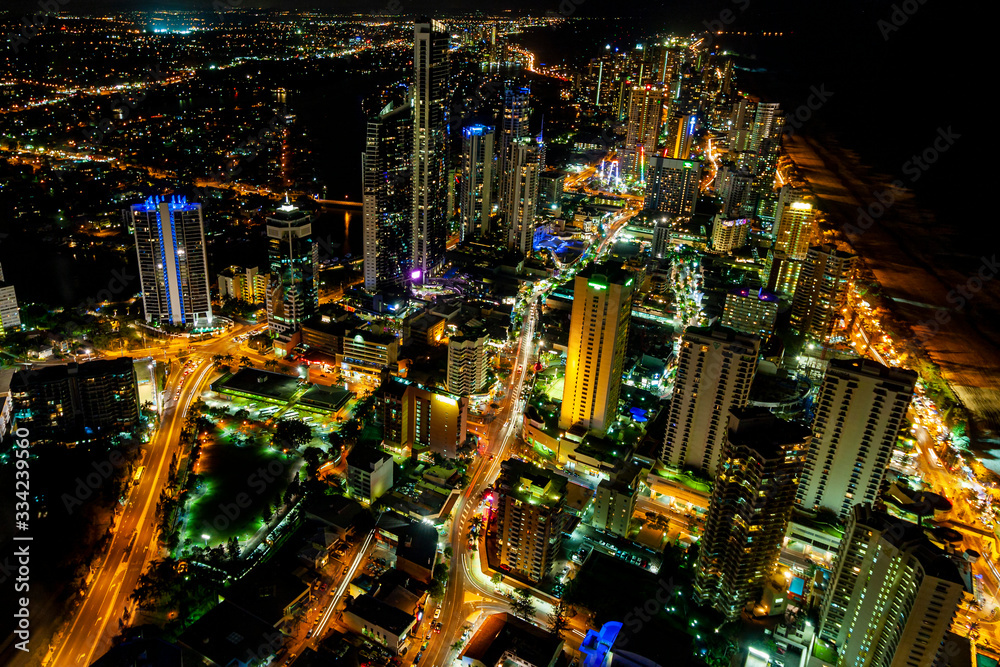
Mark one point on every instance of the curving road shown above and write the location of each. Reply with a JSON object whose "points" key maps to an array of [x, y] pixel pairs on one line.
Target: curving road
{"points": [[134, 534]]}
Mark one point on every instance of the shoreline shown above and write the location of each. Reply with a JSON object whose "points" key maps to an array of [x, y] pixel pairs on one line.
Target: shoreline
{"points": [[934, 287]]}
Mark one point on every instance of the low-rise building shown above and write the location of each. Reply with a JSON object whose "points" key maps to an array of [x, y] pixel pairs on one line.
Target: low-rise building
{"points": [[379, 621], [369, 473]]}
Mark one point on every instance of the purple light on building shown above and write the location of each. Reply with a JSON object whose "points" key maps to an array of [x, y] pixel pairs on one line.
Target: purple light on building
{"points": [[415, 275]]}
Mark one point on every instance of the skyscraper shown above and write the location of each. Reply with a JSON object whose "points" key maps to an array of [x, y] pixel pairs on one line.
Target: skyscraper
{"points": [[78, 403], [514, 127], [598, 338], [892, 596], [467, 364], [478, 179], [794, 222], [751, 311], [388, 200], [681, 136], [733, 186], [672, 186], [293, 292], [530, 518], [645, 119], [749, 509], [430, 147], [715, 368], [521, 201], [173, 269], [10, 314], [821, 292], [860, 409]]}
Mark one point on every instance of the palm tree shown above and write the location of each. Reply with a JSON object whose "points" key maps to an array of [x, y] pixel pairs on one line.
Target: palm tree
{"points": [[245, 362], [271, 364]]}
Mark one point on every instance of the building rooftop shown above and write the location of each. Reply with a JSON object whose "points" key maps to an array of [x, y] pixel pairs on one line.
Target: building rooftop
{"points": [[612, 272], [228, 633], [531, 484], [503, 633], [89, 369], [381, 614], [366, 458]]}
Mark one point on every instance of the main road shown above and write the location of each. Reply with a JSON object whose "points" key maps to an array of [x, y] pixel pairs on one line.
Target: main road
{"points": [[134, 532]]}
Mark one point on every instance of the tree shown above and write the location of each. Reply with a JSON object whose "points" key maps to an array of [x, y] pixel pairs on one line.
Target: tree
{"points": [[557, 619], [245, 362], [293, 432], [497, 578], [312, 456], [270, 364], [522, 604]]}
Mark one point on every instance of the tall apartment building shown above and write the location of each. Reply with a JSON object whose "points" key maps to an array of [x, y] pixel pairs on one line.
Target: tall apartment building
{"points": [[598, 338], [733, 186], [173, 268], [614, 500], [680, 137], [821, 292], [467, 364], [750, 311], [715, 369], [729, 235], [672, 186], [368, 354], [478, 179], [794, 222], [418, 419], [10, 314], [248, 285], [514, 127], [661, 237], [860, 409], [430, 147], [369, 473], [78, 403], [521, 200], [293, 290], [750, 507], [387, 210], [645, 120], [892, 596], [530, 518]]}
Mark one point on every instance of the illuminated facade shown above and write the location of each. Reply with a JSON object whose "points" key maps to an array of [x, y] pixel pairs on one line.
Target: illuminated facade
{"points": [[430, 148], [530, 518], [598, 337], [794, 222], [821, 292], [388, 199], [10, 314], [715, 369], [893, 594], [521, 200], [467, 364], [860, 409], [729, 235], [173, 268], [293, 291], [478, 179], [750, 507], [645, 119], [750, 311], [672, 186], [514, 128], [247, 285], [422, 420]]}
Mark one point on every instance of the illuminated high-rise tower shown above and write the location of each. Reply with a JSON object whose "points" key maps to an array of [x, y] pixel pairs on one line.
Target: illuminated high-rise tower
{"points": [[293, 293], [173, 268], [645, 119], [860, 409], [514, 127], [715, 367], [893, 594], [821, 292], [10, 314], [388, 201], [598, 338], [751, 503], [672, 186], [521, 201], [430, 147], [794, 222], [478, 177]]}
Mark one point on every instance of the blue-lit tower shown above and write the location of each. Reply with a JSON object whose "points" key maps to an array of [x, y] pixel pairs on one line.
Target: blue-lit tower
{"points": [[173, 268]]}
